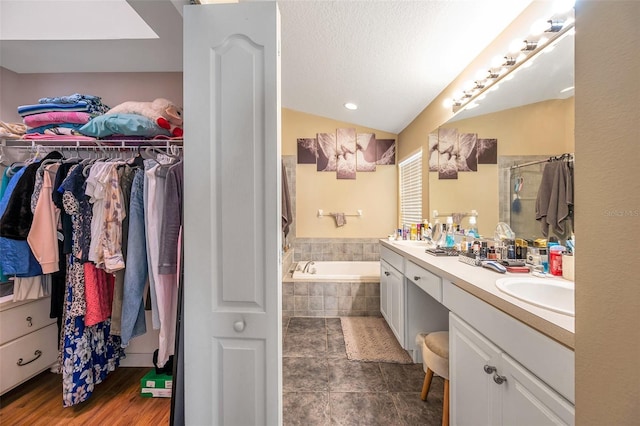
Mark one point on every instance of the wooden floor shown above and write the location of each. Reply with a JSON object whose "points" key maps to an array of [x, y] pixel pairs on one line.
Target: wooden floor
{"points": [[116, 401]]}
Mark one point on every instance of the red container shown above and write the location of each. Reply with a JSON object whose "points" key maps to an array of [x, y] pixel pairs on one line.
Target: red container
{"points": [[555, 262]]}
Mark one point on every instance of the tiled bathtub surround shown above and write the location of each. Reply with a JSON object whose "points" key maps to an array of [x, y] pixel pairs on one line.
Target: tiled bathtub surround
{"points": [[327, 249], [330, 299]]}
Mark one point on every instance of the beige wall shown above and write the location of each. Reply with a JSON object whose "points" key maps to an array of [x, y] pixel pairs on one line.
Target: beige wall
{"points": [[607, 197], [544, 128], [114, 88], [374, 193]]}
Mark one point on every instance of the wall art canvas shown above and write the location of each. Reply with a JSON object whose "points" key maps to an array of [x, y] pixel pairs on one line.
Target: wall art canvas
{"points": [[346, 153], [366, 152], [307, 150], [467, 152], [385, 151], [326, 161], [433, 152], [487, 151], [448, 154]]}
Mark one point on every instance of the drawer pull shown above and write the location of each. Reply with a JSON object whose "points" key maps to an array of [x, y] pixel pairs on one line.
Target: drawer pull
{"points": [[489, 369], [37, 353], [416, 278], [499, 379], [29, 322], [387, 273]]}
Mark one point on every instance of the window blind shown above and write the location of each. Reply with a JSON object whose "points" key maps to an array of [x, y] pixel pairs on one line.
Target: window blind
{"points": [[411, 189]]}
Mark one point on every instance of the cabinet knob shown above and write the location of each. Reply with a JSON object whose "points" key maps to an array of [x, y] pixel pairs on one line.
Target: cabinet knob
{"points": [[387, 273], [499, 379], [29, 321], [239, 326], [416, 278], [489, 369]]}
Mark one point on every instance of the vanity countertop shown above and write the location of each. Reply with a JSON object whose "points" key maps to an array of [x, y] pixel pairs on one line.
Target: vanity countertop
{"points": [[481, 282]]}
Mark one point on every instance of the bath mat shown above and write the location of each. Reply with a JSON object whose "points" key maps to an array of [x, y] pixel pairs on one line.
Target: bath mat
{"points": [[370, 339]]}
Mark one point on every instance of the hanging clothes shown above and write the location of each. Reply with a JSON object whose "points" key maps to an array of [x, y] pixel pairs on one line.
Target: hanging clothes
{"points": [[16, 257]]}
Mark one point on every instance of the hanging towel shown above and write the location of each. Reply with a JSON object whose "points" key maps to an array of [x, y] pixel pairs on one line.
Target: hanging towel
{"points": [[287, 214], [554, 202], [341, 220]]}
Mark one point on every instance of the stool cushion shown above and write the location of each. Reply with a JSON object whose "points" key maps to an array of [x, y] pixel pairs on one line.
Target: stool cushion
{"points": [[435, 353], [438, 343]]}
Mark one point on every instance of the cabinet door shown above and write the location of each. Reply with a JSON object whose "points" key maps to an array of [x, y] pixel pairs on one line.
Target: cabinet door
{"points": [[384, 289], [392, 299], [529, 401], [396, 286], [475, 397]]}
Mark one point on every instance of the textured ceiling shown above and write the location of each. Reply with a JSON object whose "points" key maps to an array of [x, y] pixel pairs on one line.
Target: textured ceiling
{"points": [[392, 58]]}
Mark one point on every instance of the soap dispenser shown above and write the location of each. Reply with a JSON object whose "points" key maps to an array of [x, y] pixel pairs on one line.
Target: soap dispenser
{"points": [[450, 240], [473, 227]]}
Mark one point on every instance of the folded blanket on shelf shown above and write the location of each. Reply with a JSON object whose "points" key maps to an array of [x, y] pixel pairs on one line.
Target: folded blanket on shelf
{"points": [[40, 136], [43, 129], [56, 117], [25, 110], [95, 102]]}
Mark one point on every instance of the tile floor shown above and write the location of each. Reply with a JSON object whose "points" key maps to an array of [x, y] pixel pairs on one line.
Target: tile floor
{"points": [[322, 387]]}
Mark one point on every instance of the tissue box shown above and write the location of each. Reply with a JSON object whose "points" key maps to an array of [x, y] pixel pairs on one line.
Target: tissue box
{"points": [[156, 385]]}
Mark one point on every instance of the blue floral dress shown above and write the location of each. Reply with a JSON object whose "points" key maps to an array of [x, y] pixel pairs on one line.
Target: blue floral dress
{"points": [[88, 353]]}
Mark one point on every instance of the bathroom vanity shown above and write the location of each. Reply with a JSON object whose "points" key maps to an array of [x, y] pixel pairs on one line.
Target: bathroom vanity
{"points": [[510, 361]]}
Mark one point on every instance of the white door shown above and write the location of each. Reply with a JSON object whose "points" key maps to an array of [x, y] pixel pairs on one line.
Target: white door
{"points": [[475, 398], [232, 214]]}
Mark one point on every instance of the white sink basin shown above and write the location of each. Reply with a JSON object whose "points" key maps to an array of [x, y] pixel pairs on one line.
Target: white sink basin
{"points": [[547, 293], [412, 243]]}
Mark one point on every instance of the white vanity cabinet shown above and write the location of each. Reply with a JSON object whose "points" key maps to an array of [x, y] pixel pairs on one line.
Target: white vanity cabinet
{"points": [[28, 341], [488, 387], [392, 297]]}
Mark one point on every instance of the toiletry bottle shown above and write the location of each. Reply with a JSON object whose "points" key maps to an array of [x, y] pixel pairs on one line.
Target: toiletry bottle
{"points": [[442, 239], [450, 239], [414, 232], [473, 227], [437, 231]]}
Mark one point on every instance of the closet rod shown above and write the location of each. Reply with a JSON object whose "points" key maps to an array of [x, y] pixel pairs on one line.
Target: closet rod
{"points": [[98, 144]]}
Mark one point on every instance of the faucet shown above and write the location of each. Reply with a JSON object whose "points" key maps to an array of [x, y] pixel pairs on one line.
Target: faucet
{"points": [[306, 267]]}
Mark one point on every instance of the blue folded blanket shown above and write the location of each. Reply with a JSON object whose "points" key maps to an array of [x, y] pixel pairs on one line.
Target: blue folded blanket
{"points": [[25, 110]]}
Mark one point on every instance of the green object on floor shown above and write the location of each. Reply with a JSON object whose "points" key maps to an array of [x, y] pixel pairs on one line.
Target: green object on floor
{"points": [[154, 385]]}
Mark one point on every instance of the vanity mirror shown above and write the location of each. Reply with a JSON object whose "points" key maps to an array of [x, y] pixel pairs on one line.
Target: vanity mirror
{"points": [[531, 114]]}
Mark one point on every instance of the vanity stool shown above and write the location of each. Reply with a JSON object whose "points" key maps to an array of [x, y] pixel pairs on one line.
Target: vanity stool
{"points": [[435, 359]]}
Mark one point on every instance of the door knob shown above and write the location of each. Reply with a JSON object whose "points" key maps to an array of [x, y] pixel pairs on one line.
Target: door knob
{"points": [[387, 273], [239, 326]]}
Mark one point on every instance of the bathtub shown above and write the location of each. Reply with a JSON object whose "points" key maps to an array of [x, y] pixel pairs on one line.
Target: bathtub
{"points": [[338, 271]]}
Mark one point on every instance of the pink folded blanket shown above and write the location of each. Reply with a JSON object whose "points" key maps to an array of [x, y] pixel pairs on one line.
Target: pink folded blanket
{"points": [[56, 117]]}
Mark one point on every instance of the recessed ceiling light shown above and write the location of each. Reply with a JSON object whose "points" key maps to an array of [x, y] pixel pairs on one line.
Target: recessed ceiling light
{"points": [[351, 106]]}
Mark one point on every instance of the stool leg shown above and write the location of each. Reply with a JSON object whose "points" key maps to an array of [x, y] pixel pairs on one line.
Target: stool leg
{"points": [[426, 385], [445, 404]]}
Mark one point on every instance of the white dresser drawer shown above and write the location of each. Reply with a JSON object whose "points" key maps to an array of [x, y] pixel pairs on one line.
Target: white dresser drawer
{"points": [[21, 318], [38, 350], [392, 258], [427, 281]]}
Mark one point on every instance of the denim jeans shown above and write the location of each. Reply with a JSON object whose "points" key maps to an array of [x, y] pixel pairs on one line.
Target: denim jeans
{"points": [[136, 271]]}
